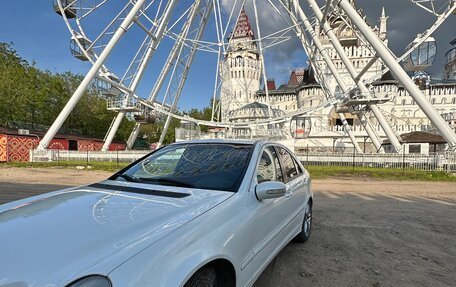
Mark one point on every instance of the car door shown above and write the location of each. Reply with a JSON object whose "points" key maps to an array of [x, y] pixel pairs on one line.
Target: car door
{"points": [[270, 215], [296, 182]]}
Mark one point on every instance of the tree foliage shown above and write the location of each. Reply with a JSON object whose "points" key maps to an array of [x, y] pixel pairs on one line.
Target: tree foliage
{"points": [[32, 97]]}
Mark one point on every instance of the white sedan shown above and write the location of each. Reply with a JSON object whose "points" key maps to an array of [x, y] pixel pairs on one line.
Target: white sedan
{"points": [[202, 213]]}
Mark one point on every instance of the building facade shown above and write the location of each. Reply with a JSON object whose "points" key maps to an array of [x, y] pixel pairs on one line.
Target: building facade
{"points": [[16, 146], [241, 69], [243, 96]]}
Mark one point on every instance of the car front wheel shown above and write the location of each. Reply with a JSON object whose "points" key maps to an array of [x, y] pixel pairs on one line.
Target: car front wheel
{"points": [[304, 235], [205, 277]]}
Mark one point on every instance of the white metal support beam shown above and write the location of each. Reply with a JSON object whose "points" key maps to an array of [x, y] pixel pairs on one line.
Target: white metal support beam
{"points": [[330, 94], [170, 61], [366, 68], [134, 134], [308, 27], [154, 42], [439, 123], [90, 75], [351, 70], [186, 59], [174, 53], [260, 50]]}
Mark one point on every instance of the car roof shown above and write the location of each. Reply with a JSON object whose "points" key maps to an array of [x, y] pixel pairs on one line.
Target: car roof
{"points": [[232, 141], [219, 141]]}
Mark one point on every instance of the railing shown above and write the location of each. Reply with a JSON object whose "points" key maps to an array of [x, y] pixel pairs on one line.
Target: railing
{"points": [[442, 161], [358, 129], [85, 156], [116, 104]]}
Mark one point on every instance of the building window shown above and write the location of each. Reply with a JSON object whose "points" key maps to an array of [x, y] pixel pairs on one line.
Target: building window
{"points": [[414, 148], [433, 101]]}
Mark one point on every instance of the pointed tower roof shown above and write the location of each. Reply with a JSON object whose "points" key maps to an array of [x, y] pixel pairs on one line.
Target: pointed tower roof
{"points": [[242, 28]]}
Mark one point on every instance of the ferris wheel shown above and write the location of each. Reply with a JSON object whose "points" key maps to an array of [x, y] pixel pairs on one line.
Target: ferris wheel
{"points": [[120, 38]]}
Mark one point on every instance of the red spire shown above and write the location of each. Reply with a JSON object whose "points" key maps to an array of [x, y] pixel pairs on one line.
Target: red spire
{"points": [[271, 84], [242, 28]]}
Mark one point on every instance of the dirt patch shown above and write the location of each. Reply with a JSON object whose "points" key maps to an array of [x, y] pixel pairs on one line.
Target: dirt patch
{"points": [[373, 233], [59, 176], [365, 232]]}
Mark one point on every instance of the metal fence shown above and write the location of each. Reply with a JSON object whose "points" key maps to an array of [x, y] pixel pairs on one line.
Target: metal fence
{"points": [[85, 156], [442, 161]]}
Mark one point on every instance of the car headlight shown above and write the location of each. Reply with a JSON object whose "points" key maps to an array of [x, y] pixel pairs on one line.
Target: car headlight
{"points": [[92, 281]]}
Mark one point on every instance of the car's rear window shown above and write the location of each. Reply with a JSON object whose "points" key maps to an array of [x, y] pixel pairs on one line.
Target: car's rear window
{"points": [[206, 166]]}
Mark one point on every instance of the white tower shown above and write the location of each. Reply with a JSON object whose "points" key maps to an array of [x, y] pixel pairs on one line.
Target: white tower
{"points": [[382, 32], [241, 69]]}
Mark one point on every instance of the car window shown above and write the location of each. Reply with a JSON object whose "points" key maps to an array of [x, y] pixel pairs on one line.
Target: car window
{"points": [[161, 165], [269, 166], [288, 162], [298, 167], [205, 166]]}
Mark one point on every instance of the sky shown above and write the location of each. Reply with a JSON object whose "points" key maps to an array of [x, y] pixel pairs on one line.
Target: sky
{"points": [[41, 36]]}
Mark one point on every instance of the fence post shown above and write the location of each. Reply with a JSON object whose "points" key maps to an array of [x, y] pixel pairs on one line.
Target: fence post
{"points": [[117, 158], [87, 163], [403, 161], [354, 155], [307, 159], [58, 156]]}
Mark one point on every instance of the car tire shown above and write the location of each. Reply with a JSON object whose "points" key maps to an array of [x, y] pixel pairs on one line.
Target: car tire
{"points": [[306, 226], [205, 277]]}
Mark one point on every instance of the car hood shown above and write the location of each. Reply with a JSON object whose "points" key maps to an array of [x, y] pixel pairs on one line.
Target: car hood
{"points": [[55, 238]]}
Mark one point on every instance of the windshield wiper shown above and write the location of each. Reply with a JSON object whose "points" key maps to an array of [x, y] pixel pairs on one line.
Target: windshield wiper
{"points": [[128, 177], [169, 181]]}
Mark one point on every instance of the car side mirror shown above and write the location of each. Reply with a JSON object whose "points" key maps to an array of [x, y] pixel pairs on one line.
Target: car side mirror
{"points": [[270, 189]]}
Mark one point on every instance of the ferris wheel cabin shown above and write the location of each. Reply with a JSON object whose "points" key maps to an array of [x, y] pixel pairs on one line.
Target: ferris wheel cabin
{"points": [[78, 45], [422, 57], [107, 89], [68, 6]]}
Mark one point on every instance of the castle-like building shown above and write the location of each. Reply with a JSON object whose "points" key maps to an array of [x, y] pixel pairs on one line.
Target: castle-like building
{"points": [[243, 96]]}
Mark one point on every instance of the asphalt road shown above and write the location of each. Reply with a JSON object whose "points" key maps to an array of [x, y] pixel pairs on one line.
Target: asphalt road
{"points": [[364, 234], [14, 191]]}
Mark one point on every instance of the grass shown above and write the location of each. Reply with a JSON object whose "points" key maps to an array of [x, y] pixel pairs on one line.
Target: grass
{"points": [[317, 172], [322, 172]]}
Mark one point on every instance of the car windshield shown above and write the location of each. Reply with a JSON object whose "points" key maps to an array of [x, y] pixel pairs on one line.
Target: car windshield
{"points": [[204, 166]]}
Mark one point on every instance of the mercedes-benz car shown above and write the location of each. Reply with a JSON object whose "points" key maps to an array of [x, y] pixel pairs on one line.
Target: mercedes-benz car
{"points": [[202, 213]]}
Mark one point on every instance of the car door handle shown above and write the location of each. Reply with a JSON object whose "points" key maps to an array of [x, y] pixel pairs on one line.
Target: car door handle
{"points": [[289, 193], [293, 187]]}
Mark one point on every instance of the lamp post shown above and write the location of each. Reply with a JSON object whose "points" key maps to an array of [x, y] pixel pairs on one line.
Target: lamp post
{"points": [[34, 147]]}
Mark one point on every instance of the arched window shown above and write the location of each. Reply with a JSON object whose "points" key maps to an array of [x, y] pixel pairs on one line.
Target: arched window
{"points": [[403, 102], [433, 101], [453, 101], [444, 101]]}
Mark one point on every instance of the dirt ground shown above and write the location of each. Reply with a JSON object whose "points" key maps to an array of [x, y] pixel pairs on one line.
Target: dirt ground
{"points": [[365, 232]]}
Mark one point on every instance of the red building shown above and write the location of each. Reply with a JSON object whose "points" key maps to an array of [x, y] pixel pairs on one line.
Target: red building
{"points": [[15, 146]]}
